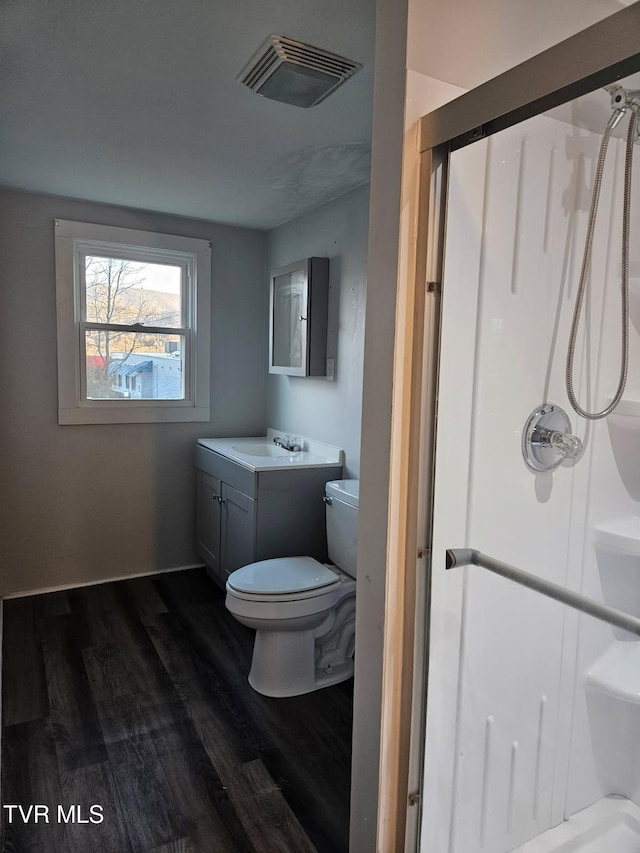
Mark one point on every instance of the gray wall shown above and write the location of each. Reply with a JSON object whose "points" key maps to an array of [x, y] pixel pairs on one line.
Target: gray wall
{"points": [[386, 169], [313, 406], [84, 503]]}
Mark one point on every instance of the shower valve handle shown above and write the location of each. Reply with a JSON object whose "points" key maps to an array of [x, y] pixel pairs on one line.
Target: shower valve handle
{"points": [[565, 444], [547, 439]]}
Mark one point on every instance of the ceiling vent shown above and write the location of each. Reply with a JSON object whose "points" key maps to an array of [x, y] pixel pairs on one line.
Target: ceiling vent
{"points": [[296, 73]]}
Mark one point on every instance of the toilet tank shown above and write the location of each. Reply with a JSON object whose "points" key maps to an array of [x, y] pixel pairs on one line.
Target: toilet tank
{"points": [[341, 497]]}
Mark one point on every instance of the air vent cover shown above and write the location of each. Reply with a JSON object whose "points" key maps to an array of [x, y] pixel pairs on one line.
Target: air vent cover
{"points": [[296, 73]]}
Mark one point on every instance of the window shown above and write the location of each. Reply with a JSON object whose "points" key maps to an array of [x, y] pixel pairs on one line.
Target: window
{"points": [[133, 325]]}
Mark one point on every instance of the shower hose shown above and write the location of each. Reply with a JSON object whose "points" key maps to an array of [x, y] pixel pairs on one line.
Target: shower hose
{"points": [[586, 265]]}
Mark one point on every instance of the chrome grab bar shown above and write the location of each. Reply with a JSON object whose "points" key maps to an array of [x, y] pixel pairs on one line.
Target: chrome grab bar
{"points": [[470, 557]]}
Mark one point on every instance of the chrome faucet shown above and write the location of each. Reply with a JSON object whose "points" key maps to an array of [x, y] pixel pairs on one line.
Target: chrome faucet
{"points": [[288, 442]]}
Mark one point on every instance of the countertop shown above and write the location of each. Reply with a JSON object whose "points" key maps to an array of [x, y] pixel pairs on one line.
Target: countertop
{"points": [[314, 454]]}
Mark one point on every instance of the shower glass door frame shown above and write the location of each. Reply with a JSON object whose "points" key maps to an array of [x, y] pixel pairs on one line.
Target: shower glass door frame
{"points": [[591, 59]]}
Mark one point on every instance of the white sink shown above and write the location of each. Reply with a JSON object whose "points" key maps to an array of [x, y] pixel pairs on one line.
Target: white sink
{"points": [[261, 450], [259, 453]]}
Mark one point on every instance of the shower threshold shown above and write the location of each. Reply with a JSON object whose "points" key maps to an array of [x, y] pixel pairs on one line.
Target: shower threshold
{"points": [[611, 825]]}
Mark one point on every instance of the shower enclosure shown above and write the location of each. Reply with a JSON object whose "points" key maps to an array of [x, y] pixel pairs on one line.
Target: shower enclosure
{"points": [[529, 738]]}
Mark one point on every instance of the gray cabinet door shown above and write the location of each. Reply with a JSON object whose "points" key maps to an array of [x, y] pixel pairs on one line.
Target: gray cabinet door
{"points": [[238, 534], [208, 512]]}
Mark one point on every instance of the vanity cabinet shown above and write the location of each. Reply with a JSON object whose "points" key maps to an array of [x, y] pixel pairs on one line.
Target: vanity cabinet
{"points": [[208, 519], [225, 521], [243, 516], [299, 309]]}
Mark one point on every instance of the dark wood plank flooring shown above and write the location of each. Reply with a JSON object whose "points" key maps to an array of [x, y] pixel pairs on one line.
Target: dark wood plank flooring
{"points": [[134, 696]]}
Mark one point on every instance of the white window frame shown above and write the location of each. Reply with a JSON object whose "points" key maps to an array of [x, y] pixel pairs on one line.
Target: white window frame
{"points": [[73, 242]]}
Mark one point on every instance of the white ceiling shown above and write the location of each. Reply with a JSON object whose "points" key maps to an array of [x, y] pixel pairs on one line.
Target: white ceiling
{"points": [[137, 104], [507, 33], [466, 42]]}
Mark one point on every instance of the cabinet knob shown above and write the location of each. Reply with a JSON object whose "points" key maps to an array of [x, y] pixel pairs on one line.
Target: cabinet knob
{"points": [[301, 317]]}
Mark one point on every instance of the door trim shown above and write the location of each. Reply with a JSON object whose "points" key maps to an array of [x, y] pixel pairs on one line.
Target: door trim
{"points": [[412, 444]]}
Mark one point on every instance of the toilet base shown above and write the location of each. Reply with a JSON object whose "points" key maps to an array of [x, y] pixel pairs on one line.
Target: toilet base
{"points": [[283, 664], [290, 663]]}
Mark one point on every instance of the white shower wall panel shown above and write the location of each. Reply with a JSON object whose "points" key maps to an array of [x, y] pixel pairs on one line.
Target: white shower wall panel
{"points": [[605, 758], [511, 652], [512, 666]]}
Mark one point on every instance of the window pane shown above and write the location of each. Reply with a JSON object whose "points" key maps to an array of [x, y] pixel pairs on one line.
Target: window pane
{"points": [[134, 366], [123, 291]]}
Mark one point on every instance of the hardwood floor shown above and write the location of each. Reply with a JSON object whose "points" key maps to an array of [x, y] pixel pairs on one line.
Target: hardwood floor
{"points": [[133, 696]]}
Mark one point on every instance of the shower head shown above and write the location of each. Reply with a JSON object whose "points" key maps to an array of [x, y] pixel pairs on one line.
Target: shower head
{"points": [[621, 98]]}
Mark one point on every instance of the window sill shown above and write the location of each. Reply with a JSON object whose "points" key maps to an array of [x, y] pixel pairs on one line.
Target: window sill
{"points": [[133, 415]]}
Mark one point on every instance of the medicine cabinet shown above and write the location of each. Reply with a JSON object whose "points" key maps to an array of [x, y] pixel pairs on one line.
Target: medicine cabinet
{"points": [[298, 318]]}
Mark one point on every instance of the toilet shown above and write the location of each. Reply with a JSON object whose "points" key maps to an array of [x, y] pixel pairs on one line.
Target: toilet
{"points": [[303, 611]]}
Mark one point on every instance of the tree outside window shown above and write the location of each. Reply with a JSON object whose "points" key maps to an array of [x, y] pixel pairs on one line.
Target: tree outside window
{"points": [[122, 292]]}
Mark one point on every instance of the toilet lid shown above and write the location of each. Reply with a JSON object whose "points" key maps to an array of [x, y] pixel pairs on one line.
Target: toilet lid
{"points": [[286, 574]]}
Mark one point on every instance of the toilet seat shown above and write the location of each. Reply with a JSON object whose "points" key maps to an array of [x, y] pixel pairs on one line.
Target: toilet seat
{"points": [[283, 579]]}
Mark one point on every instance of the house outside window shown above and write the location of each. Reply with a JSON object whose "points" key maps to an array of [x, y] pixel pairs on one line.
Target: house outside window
{"points": [[133, 325]]}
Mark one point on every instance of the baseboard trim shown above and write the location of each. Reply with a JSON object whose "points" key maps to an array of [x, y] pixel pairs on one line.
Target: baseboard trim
{"points": [[27, 592]]}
